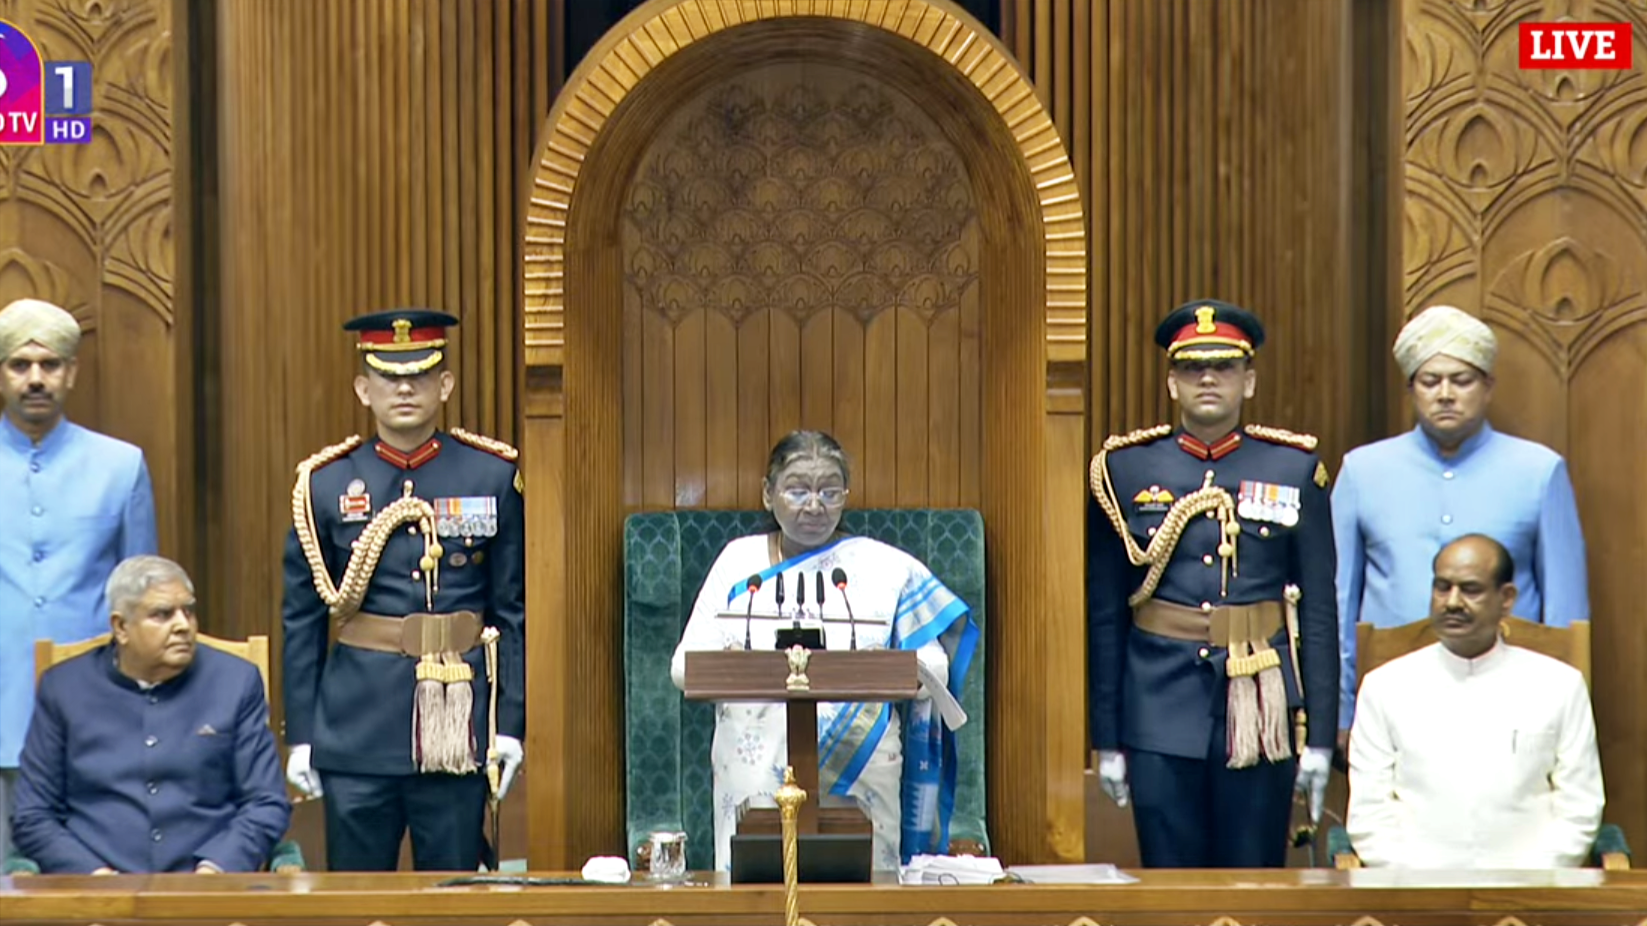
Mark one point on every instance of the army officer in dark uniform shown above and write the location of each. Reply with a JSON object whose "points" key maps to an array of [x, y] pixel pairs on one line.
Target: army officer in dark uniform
{"points": [[404, 614], [1210, 592]]}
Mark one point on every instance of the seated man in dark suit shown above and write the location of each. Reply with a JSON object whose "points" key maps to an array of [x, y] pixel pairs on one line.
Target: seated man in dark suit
{"points": [[149, 754]]}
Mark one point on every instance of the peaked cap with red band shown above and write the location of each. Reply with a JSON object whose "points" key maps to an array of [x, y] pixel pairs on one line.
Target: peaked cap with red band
{"points": [[402, 342], [1207, 329]]}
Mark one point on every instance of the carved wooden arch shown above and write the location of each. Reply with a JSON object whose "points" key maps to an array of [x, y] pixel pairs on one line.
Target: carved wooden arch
{"points": [[1033, 290], [658, 30]]}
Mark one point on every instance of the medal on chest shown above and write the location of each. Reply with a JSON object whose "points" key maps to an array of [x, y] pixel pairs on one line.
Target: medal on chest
{"points": [[468, 517], [1266, 501], [355, 504]]}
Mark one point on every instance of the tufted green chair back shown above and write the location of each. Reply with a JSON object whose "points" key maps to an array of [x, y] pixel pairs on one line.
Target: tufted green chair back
{"points": [[667, 555]]}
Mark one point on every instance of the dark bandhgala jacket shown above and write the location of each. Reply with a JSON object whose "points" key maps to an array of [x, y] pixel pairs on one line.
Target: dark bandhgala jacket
{"points": [[150, 780]]}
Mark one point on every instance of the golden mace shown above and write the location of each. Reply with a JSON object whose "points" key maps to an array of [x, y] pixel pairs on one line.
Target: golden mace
{"points": [[790, 797]]}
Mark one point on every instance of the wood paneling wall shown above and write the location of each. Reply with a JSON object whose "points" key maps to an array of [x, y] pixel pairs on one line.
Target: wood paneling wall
{"points": [[91, 228], [801, 250], [1213, 142], [1526, 203], [367, 159]]}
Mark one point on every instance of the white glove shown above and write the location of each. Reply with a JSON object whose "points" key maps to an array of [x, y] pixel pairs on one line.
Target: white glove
{"points": [[301, 774], [510, 756], [1314, 767], [1112, 776]]}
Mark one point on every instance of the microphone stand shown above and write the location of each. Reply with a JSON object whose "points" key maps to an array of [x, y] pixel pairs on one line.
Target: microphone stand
{"points": [[754, 585], [839, 577]]}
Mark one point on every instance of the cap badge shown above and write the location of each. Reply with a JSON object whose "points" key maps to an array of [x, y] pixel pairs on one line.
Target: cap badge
{"points": [[1203, 320]]}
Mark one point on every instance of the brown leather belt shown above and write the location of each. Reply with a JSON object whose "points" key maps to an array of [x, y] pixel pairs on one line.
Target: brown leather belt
{"points": [[1242, 622], [414, 635]]}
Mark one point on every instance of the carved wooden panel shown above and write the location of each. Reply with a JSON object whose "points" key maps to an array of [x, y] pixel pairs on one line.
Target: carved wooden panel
{"points": [[800, 250], [1527, 203], [90, 227], [1210, 141], [617, 64]]}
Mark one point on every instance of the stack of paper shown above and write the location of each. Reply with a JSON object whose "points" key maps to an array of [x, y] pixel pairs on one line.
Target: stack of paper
{"points": [[1072, 874], [948, 708], [950, 869]]}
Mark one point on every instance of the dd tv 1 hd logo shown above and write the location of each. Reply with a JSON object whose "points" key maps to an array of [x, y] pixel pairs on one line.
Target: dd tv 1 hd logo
{"points": [[41, 102], [1576, 46]]}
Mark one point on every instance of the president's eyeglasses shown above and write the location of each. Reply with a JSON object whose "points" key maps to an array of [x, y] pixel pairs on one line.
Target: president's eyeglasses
{"points": [[832, 497]]}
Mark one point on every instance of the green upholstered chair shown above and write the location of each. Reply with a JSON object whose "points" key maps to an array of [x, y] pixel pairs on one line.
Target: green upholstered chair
{"points": [[667, 555]]}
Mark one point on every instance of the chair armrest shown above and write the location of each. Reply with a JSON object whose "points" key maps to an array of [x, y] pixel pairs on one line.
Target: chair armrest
{"points": [[287, 858], [19, 865], [1340, 850], [1610, 848]]}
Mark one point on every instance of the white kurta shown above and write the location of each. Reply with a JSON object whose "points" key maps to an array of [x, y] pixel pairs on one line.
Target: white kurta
{"points": [[750, 749], [1483, 763]]}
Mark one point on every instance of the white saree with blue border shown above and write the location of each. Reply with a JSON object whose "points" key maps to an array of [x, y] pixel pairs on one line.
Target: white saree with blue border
{"points": [[897, 761]]}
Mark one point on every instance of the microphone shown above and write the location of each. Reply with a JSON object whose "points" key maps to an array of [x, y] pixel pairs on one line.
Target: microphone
{"points": [[754, 586], [779, 594], [839, 578], [819, 574]]}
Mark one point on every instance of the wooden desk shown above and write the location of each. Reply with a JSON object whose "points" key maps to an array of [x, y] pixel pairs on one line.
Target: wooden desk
{"points": [[1274, 898]]}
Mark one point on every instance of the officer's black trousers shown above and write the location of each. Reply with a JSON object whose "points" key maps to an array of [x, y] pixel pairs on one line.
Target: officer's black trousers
{"points": [[1198, 813], [366, 816]]}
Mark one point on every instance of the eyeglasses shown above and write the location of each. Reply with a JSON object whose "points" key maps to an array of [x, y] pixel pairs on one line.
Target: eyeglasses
{"points": [[832, 497]]}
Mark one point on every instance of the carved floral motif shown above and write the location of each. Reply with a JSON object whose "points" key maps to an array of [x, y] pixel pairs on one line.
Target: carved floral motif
{"points": [[114, 194], [800, 194], [1522, 186]]}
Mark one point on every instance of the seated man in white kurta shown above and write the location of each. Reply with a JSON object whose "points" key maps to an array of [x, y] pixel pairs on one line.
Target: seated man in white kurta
{"points": [[1472, 752], [906, 793]]}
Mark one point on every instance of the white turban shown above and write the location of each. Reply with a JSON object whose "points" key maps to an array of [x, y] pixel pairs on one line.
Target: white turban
{"points": [[41, 322], [1443, 329]]}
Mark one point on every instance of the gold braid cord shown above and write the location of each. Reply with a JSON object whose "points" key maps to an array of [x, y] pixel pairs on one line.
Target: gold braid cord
{"points": [[344, 598], [1159, 552], [488, 444], [1279, 436]]}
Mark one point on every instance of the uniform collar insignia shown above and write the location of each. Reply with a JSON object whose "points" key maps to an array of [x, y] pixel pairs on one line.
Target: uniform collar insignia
{"points": [[1219, 448], [423, 454]]}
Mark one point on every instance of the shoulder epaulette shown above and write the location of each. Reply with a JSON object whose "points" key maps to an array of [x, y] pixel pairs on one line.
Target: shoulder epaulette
{"points": [[334, 452], [1140, 436], [1282, 436], [489, 444]]}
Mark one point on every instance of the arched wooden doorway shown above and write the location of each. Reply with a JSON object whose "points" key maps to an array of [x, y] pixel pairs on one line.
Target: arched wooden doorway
{"points": [[589, 425]]}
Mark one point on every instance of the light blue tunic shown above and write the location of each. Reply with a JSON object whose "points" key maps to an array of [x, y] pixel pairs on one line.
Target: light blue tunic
{"points": [[1399, 501], [71, 508]]}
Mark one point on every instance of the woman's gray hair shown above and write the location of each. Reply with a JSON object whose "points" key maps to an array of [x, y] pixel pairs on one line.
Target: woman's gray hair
{"points": [[804, 445], [138, 574]]}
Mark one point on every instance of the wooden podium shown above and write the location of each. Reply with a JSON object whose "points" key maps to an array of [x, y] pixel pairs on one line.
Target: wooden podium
{"points": [[800, 678]]}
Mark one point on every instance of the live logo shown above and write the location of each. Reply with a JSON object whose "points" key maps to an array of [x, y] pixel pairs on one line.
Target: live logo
{"points": [[1576, 46]]}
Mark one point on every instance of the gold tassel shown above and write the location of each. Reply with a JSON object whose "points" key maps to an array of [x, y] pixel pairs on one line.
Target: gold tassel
{"points": [[460, 708], [441, 715], [1272, 717], [1242, 721], [427, 709]]}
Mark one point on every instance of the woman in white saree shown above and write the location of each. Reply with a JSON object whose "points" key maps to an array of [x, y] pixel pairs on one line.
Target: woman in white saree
{"points": [[896, 761]]}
